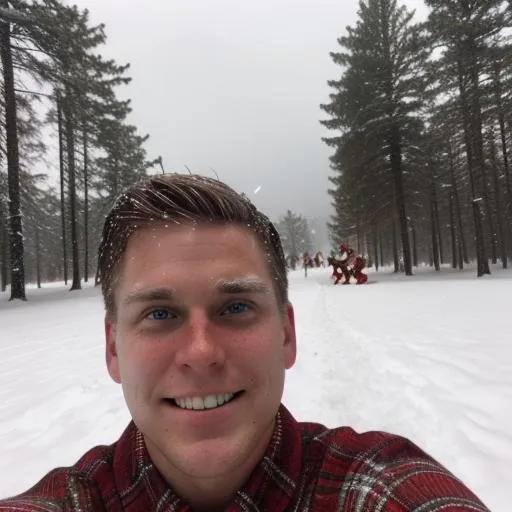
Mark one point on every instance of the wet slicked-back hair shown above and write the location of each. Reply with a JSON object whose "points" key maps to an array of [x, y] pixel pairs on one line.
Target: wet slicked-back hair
{"points": [[183, 199]]}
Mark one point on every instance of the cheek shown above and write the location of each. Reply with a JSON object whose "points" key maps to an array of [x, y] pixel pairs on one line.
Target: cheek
{"points": [[262, 350], [142, 362]]}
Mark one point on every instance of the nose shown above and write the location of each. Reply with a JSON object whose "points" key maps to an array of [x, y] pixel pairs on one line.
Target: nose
{"points": [[200, 348]]}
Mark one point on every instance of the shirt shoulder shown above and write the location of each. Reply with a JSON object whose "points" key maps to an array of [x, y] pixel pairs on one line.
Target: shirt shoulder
{"points": [[381, 471], [73, 488]]}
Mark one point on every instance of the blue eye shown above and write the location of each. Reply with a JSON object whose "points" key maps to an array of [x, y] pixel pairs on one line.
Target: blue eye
{"points": [[159, 314], [236, 308]]}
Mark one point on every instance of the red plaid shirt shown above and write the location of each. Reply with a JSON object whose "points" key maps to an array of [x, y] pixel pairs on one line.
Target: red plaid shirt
{"points": [[306, 468]]}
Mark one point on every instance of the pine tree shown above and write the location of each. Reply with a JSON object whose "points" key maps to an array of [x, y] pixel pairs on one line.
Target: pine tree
{"points": [[465, 29], [55, 45], [13, 163], [295, 234], [376, 105]]}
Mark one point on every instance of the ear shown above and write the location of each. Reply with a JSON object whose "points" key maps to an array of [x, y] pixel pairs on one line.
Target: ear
{"points": [[290, 342], [111, 350]]}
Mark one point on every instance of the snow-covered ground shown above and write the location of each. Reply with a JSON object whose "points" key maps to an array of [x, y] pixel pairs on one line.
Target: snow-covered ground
{"points": [[428, 357]]}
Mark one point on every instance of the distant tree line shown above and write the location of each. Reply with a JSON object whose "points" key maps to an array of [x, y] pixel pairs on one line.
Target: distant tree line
{"points": [[295, 234], [421, 116], [56, 86]]}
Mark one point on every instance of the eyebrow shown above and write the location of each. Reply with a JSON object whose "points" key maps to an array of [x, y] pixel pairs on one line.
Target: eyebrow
{"points": [[227, 286], [242, 285], [149, 295]]}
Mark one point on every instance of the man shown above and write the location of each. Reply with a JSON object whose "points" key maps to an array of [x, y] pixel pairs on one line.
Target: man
{"points": [[306, 262], [339, 262], [352, 266], [199, 333]]}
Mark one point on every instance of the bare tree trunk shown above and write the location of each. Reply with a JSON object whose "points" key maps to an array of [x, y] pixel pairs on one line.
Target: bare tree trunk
{"points": [[497, 194], [368, 250], [476, 139], [358, 239], [470, 132], [375, 249], [396, 169], [506, 168], [439, 230], [414, 245], [4, 251], [433, 227], [463, 253], [504, 150], [62, 194], [70, 145], [381, 247], [396, 260], [86, 206], [38, 256], [460, 255], [13, 164], [437, 224], [490, 221], [453, 235]]}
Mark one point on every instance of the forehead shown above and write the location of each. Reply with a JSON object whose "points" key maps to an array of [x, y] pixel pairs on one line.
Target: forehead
{"points": [[193, 238], [188, 252]]}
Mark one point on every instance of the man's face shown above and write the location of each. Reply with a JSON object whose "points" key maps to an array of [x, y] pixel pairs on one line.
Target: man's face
{"points": [[200, 347]]}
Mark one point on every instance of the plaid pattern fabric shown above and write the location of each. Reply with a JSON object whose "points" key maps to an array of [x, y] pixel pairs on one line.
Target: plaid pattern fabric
{"points": [[306, 468]]}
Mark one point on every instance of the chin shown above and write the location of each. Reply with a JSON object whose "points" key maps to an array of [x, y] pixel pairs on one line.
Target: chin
{"points": [[231, 453], [213, 457]]}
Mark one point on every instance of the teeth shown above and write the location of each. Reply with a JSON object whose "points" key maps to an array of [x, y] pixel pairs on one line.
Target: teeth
{"points": [[207, 402]]}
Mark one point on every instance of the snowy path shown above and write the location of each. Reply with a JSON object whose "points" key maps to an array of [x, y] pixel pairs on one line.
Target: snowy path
{"points": [[426, 358]]}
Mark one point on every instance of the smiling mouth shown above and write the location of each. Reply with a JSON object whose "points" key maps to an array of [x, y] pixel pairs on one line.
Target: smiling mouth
{"points": [[200, 403]]}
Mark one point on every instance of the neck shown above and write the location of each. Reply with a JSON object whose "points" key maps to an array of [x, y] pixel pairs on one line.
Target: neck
{"points": [[214, 491], [212, 494]]}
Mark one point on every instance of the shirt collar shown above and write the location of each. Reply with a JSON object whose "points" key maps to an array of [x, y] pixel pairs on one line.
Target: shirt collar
{"points": [[271, 486]]}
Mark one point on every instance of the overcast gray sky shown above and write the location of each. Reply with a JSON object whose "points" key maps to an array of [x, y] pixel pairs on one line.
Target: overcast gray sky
{"points": [[234, 85]]}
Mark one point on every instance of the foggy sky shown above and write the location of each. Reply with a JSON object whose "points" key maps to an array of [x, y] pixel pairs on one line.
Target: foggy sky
{"points": [[234, 85]]}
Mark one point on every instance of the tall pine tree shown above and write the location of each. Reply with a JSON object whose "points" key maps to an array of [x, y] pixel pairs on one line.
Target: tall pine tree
{"points": [[376, 105]]}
